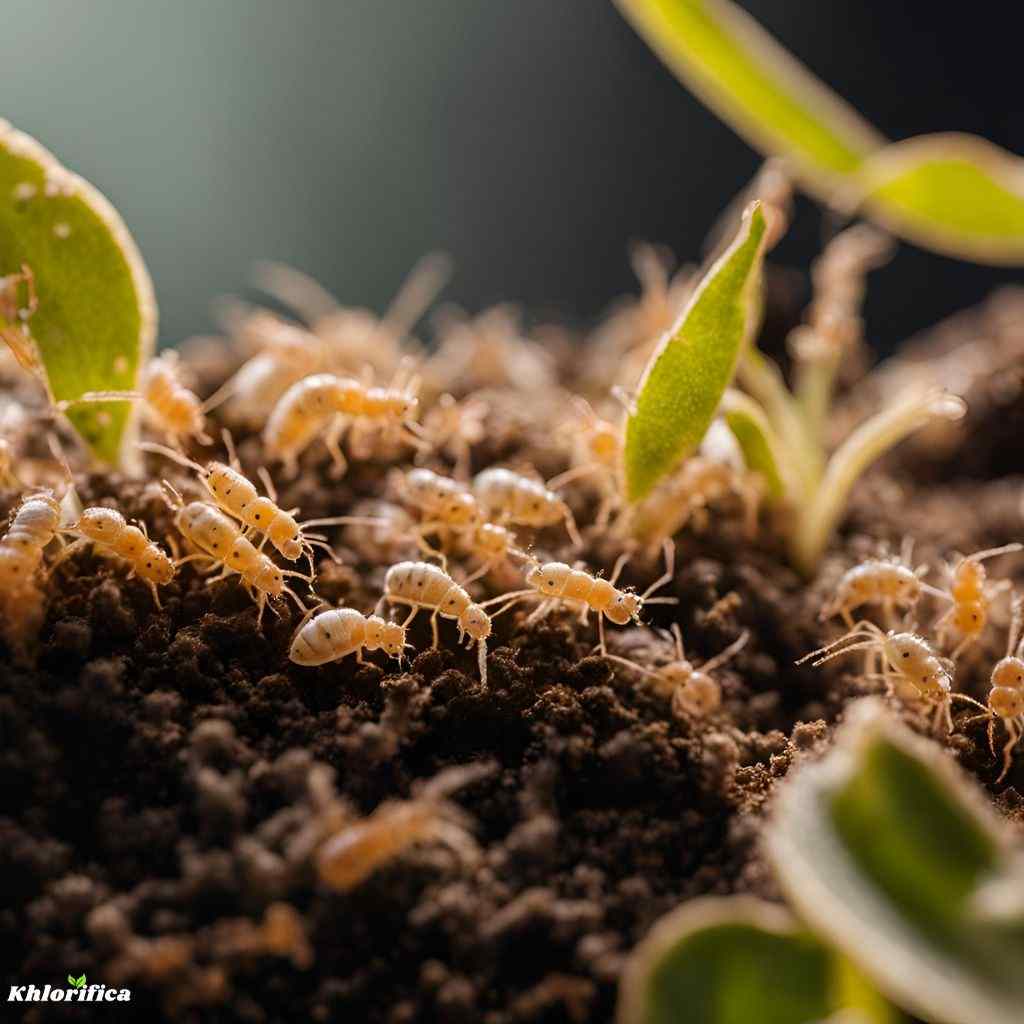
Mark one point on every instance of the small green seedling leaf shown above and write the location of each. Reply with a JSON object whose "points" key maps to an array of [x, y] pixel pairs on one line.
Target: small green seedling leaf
{"points": [[762, 450], [96, 318], [743, 74], [737, 960], [886, 851], [72, 981], [957, 194], [81, 981], [688, 374]]}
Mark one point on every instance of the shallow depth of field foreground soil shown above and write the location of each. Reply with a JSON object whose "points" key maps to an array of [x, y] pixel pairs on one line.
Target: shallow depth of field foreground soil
{"points": [[162, 772]]}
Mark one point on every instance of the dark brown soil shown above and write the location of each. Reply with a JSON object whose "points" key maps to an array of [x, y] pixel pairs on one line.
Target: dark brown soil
{"points": [[156, 768]]}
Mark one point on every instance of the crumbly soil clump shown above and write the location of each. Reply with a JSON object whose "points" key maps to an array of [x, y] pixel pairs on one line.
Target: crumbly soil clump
{"points": [[161, 771]]}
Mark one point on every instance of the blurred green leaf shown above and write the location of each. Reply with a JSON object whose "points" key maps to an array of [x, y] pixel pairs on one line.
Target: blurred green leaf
{"points": [[885, 850], [953, 193], [96, 320], [686, 377], [739, 70], [957, 194], [762, 450], [738, 960]]}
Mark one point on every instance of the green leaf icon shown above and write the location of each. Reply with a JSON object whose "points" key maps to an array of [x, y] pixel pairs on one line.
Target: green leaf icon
{"points": [[72, 982], [81, 982]]}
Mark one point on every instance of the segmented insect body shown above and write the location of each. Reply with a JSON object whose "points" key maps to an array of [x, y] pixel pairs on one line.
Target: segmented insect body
{"points": [[35, 523], [219, 540], [285, 354], [175, 409], [324, 403], [910, 667], [692, 690], [971, 596], [596, 453], [1006, 696], [452, 428], [353, 337], [559, 582], [359, 849], [492, 544], [109, 531], [510, 498], [422, 585], [686, 495], [334, 634], [889, 582], [441, 500]]}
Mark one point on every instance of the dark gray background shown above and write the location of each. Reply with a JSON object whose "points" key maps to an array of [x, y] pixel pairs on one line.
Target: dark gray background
{"points": [[532, 139]]}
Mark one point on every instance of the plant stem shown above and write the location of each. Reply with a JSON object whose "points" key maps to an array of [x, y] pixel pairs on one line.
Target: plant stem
{"points": [[872, 439]]}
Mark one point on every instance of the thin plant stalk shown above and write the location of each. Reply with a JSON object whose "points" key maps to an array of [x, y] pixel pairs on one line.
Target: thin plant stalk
{"points": [[864, 446]]}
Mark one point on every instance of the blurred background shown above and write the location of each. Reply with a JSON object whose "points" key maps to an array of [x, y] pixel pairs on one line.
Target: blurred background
{"points": [[532, 140]]}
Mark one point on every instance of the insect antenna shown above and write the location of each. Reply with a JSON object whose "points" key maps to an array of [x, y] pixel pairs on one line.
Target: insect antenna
{"points": [[666, 577], [862, 631], [169, 453], [725, 655]]}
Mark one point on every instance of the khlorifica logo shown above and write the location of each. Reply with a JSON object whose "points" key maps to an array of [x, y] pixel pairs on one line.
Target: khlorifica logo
{"points": [[78, 992]]}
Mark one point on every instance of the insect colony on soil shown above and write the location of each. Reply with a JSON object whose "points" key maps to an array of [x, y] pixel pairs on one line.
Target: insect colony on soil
{"points": [[304, 384]]}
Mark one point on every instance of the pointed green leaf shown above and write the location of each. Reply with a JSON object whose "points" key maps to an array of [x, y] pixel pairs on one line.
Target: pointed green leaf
{"points": [[762, 450], [72, 981], [957, 194], [96, 320], [737, 960], [81, 981], [687, 375], [739, 70], [886, 850]]}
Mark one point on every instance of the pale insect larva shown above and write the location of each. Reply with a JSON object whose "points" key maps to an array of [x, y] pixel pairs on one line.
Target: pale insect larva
{"points": [[509, 498], [220, 541], [910, 667], [172, 408], [361, 847], [445, 504], [891, 582], [353, 337], [112, 534], [334, 633], [686, 495], [1006, 693], [35, 523], [235, 494], [452, 428], [692, 690], [559, 582], [422, 585], [492, 544], [285, 354], [971, 596], [596, 446], [325, 404]]}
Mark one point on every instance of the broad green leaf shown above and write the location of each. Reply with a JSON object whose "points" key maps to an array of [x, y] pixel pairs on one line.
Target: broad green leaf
{"points": [[738, 960], [96, 320], [739, 70], [72, 981], [81, 981], [957, 194], [687, 375], [886, 851], [762, 450]]}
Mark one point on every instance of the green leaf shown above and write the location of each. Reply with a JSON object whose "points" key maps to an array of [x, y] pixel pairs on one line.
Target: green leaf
{"points": [[81, 981], [762, 450], [687, 375], [738, 960], [887, 851], [743, 74], [72, 981], [96, 320], [957, 194]]}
